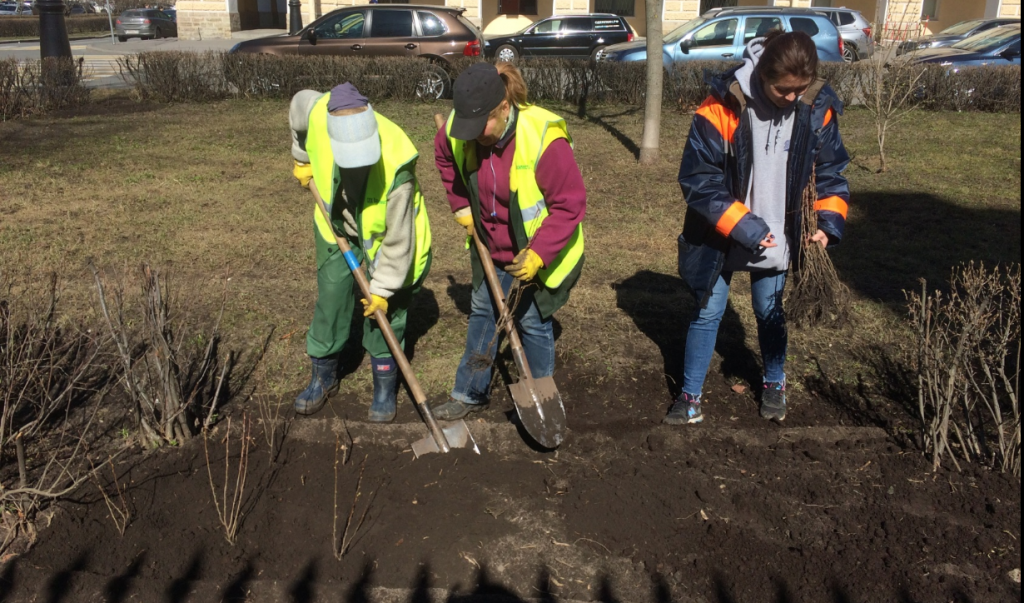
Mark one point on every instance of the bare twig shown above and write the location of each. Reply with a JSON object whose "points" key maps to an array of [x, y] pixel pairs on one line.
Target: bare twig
{"points": [[118, 509], [229, 504], [342, 547]]}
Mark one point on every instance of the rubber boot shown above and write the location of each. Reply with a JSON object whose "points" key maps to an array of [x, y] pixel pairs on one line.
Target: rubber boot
{"points": [[321, 385], [385, 390]]}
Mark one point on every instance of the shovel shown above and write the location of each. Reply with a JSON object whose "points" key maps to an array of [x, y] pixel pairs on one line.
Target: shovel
{"points": [[537, 401], [455, 434]]}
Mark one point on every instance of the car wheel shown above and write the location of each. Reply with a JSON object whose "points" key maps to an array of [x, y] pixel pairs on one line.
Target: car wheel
{"points": [[597, 52], [434, 84], [122, 39], [506, 53], [850, 54]]}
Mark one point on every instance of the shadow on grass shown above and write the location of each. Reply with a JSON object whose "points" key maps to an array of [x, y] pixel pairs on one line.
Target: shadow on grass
{"points": [[661, 306], [894, 239], [627, 143]]}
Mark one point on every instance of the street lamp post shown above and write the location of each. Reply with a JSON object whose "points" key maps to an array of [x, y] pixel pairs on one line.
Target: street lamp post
{"points": [[53, 32], [294, 16]]}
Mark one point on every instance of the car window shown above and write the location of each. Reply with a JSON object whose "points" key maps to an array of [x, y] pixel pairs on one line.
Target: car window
{"points": [[990, 40], [719, 33], [847, 18], [758, 27], [431, 24], [960, 28], [608, 25], [579, 25], [345, 25], [549, 26], [808, 26], [677, 34], [391, 24]]}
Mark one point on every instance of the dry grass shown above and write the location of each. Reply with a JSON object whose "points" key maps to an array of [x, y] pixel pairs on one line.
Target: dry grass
{"points": [[205, 192]]}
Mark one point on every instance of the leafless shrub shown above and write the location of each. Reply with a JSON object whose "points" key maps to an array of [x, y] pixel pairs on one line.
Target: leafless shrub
{"points": [[35, 87], [342, 546], [28, 26], [166, 370], [46, 370], [230, 502], [117, 506], [968, 363], [817, 296], [990, 89], [175, 76]]}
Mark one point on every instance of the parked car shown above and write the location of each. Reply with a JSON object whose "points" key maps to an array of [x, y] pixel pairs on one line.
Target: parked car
{"points": [[954, 34], [438, 34], [999, 46], [722, 34], [145, 23], [858, 42], [576, 36], [8, 9]]}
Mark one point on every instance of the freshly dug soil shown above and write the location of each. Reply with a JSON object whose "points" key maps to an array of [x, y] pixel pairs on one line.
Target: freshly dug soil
{"points": [[826, 508]]}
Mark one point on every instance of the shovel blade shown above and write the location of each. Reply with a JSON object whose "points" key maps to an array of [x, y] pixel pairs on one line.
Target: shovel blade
{"points": [[540, 410], [457, 434]]}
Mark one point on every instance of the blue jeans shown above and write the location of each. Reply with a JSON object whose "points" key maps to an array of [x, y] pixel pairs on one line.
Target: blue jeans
{"points": [[473, 377], [766, 294]]}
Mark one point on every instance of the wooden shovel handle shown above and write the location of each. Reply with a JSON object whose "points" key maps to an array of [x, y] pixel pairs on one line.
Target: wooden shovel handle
{"points": [[382, 321], [496, 292]]}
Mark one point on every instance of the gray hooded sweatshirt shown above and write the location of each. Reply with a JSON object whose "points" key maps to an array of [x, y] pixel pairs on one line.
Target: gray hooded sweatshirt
{"points": [[771, 129], [394, 259]]}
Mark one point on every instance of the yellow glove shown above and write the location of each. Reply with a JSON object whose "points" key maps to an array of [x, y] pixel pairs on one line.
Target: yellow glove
{"points": [[466, 222], [525, 265], [376, 303], [303, 172]]}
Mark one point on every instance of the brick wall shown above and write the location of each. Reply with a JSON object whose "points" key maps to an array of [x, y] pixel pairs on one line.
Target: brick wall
{"points": [[204, 20], [677, 12]]}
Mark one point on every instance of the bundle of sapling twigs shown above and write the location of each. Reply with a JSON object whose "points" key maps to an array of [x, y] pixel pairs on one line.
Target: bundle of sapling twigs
{"points": [[818, 296]]}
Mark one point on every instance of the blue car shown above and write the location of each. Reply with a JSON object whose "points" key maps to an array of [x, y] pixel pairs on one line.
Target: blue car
{"points": [[722, 34], [1000, 46]]}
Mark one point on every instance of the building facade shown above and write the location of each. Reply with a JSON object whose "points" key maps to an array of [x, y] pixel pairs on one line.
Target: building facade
{"points": [[895, 19]]}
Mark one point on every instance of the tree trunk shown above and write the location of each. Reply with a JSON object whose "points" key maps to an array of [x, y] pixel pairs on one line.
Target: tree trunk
{"points": [[649, 143]]}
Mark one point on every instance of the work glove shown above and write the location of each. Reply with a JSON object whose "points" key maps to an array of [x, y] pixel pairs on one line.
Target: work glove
{"points": [[466, 222], [376, 303], [525, 265], [303, 172]]}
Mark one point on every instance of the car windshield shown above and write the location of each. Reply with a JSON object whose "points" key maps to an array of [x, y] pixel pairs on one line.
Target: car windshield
{"points": [[990, 40], [677, 34], [960, 28]]}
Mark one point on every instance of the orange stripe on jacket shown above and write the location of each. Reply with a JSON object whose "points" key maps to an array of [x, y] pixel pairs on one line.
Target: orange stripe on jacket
{"points": [[730, 218], [835, 204], [828, 118], [721, 117]]}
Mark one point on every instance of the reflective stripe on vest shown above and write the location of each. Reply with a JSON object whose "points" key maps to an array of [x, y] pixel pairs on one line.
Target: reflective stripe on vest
{"points": [[536, 129], [397, 152]]}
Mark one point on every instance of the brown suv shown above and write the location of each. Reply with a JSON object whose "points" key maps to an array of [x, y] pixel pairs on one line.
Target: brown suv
{"points": [[436, 33]]}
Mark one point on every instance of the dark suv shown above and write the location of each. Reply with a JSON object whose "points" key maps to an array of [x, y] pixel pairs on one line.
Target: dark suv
{"points": [[439, 34], [576, 36]]}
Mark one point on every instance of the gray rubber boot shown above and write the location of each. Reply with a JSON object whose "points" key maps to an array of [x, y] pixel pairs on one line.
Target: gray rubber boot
{"points": [[322, 384], [385, 390]]}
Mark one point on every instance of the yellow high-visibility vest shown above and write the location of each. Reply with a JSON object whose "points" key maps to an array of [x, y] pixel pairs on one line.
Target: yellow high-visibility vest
{"points": [[397, 152], [536, 129]]}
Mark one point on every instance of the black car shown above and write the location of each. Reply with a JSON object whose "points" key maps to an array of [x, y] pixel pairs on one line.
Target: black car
{"points": [[576, 36], [954, 34]]}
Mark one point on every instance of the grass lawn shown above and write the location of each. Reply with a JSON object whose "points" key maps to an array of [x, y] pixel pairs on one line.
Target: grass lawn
{"points": [[204, 192]]}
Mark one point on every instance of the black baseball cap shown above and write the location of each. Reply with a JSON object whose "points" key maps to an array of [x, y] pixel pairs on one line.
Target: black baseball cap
{"points": [[478, 90]]}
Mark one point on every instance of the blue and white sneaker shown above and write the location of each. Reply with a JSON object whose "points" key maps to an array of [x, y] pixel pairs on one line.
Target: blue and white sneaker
{"points": [[685, 410]]}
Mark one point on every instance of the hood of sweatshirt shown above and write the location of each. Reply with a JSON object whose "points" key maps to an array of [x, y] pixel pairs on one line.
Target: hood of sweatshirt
{"points": [[771, 127]]}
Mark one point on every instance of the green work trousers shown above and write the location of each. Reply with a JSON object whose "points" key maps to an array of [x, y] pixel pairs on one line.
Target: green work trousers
{"points": [[337, 293]]}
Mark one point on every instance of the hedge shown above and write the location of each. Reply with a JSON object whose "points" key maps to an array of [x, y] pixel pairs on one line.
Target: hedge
{"points": [[28, 26], [191, 77], [32, 87]]}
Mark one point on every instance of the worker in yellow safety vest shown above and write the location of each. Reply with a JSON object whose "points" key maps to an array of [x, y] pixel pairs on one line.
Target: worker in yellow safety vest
{"points": [[364, 168], [509, 172]]}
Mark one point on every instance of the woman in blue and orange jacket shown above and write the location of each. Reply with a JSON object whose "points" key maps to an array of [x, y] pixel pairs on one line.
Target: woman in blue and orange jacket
{"points": [[768, 126]]}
